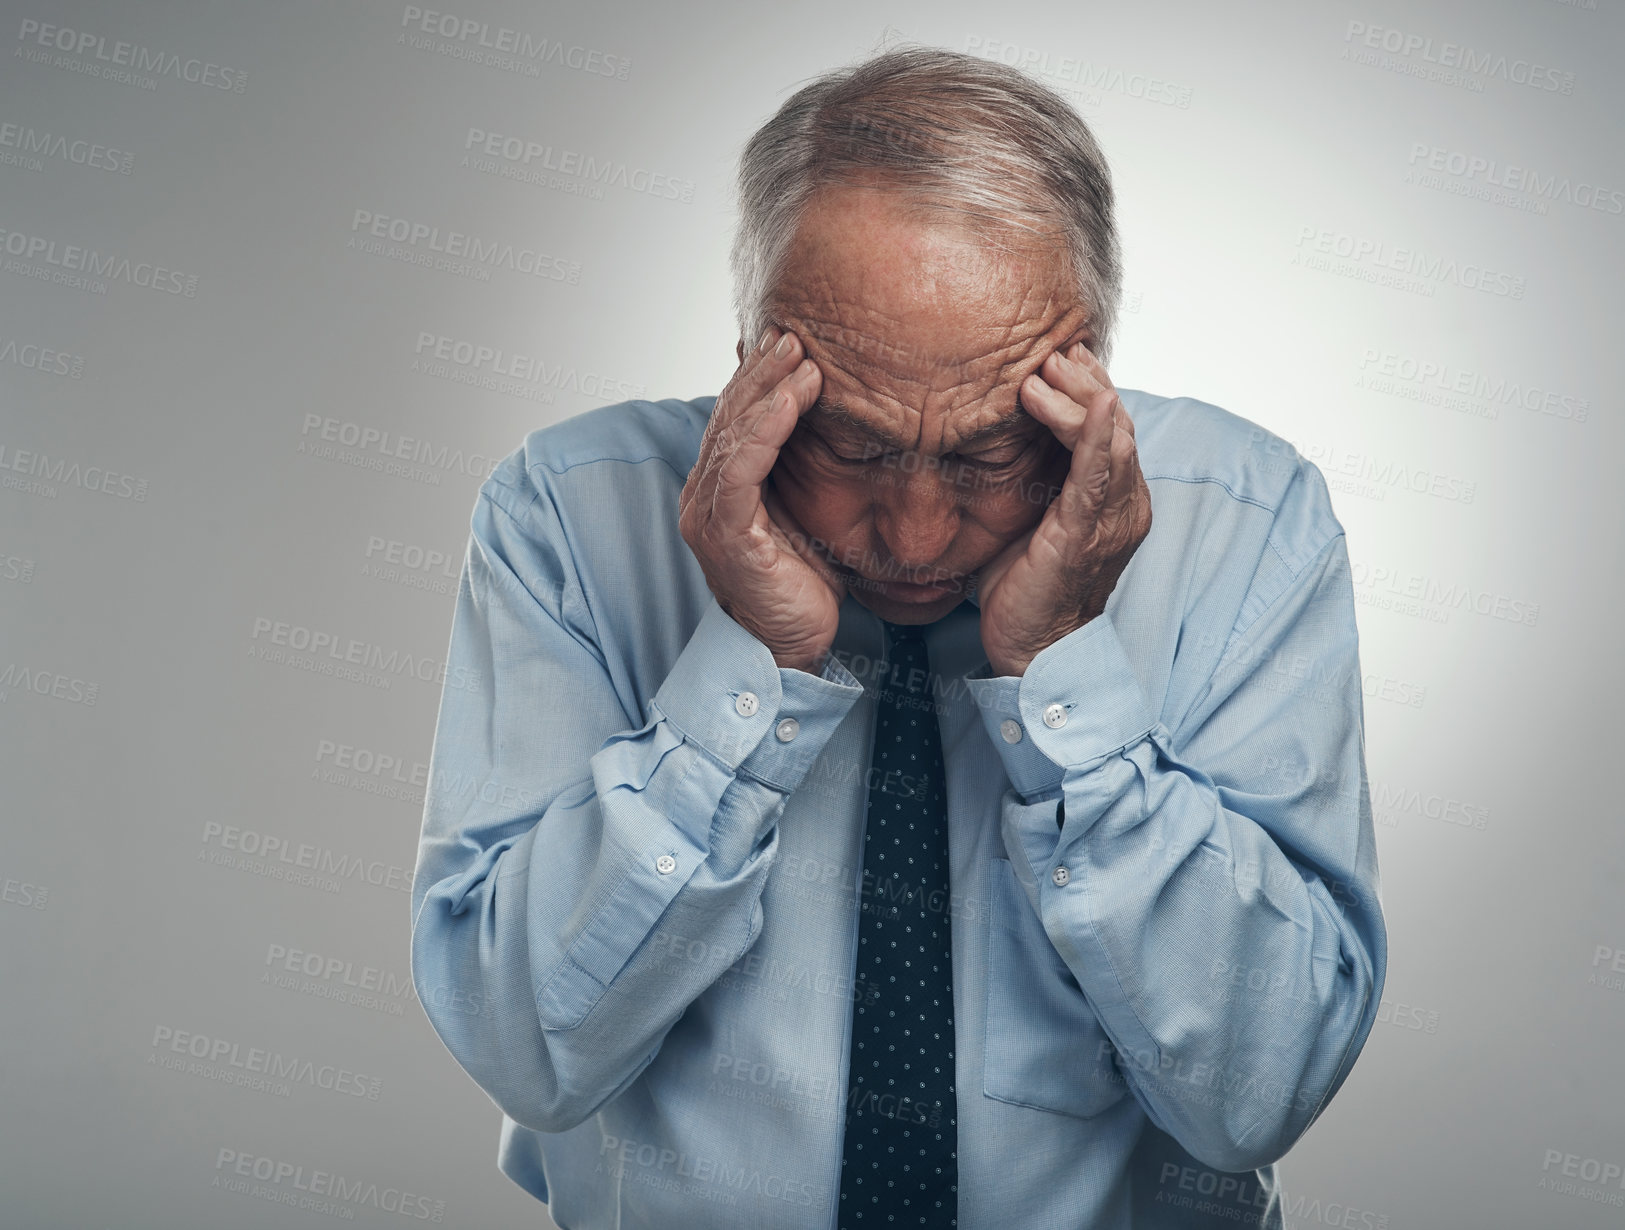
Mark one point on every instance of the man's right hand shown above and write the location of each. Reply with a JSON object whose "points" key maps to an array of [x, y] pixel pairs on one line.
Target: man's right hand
{"points": [[761, 566]]}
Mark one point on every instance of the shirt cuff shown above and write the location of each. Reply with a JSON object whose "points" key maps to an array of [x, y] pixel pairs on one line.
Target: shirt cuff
{"points": [[727, 694], [1078, 702]]}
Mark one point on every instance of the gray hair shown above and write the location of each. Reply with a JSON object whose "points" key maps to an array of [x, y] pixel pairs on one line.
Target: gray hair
{"points": [[950, 132]]}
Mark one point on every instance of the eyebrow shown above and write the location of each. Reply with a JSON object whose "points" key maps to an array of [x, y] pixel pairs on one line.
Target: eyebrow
{"points": [[827, 410]]}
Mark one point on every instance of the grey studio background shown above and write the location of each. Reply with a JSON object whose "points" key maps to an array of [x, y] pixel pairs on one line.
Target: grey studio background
{"points": [[282, 281]]}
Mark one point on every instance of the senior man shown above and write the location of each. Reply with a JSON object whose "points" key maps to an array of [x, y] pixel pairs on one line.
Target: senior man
{"points": [[867, 814]]}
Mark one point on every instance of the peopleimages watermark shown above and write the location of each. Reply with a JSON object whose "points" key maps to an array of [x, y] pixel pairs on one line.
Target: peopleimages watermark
{"points": [[328, 653], [1407, 1016], [303, 863], [1204, 1082], [26, 146], [501, 370], [1291, 671], [1436, 382], [44, 359], [1221, 1195], [1595, 1174], [410, 555], [1610, 961], [1355, 471], [25, 895], [988, 482], [818, 880], [1201, 1190], [816, 1095], [1286, 996], [428, 569], [1450, 63], [753, 974], [449, 249], [478, 42], [1407, 269], [1229, 871], [44, 471], [85, 52], [531, 161], [341, 980], [378, 448], [253, 1066], [1389, 802], [344, 760], [84, 268], [709, 1178], [316, 1190], [1412, 592], [42, 681], [1096, 79], [1492, 175]]}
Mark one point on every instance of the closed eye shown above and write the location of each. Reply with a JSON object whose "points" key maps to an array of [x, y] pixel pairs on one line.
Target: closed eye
{"points": [[991, 461], [867, 453]]}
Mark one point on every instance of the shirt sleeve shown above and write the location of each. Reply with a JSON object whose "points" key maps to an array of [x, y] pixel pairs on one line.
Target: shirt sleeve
{"points": [[563, 820], [1213, 886]]}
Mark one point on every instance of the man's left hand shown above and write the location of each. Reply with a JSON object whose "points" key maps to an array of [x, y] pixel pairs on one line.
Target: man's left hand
{"points": [[1057, 577]]}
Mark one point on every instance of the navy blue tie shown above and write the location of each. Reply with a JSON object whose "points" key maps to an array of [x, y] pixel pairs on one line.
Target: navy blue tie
{"points": [[900, 1164]]}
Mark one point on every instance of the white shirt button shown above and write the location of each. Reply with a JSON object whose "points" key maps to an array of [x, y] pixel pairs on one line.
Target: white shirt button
{"points": [[665, 864], [746, 704], [1055, 716], [787, 729], [1060, 875], [1011, 730]]}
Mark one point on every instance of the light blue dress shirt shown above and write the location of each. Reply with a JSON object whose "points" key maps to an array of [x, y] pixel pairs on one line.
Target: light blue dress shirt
{"points": [[635, 914]]}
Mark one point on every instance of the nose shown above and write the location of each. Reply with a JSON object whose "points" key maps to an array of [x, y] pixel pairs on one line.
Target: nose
{"points": [[917, 516]]}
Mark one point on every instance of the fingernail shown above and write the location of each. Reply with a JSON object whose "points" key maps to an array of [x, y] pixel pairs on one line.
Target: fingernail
{"points": [[783, 348], [767, 336]]}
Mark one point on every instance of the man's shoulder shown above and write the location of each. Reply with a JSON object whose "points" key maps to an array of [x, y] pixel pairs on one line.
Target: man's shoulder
{"points": [[656, 440], [1189, 441], [630, 432]]}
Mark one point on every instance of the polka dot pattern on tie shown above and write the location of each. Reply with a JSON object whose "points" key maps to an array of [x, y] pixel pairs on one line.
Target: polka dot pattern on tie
{"points": [[900, 1162]]}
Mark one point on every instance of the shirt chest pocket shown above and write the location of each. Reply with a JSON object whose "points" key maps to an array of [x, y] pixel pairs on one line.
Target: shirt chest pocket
{"points": [[1044, 1046]]}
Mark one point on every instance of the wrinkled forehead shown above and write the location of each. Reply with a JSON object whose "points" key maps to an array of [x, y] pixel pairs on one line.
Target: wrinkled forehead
{"points": [[910, 397], [913, 321], [923, 332]]}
